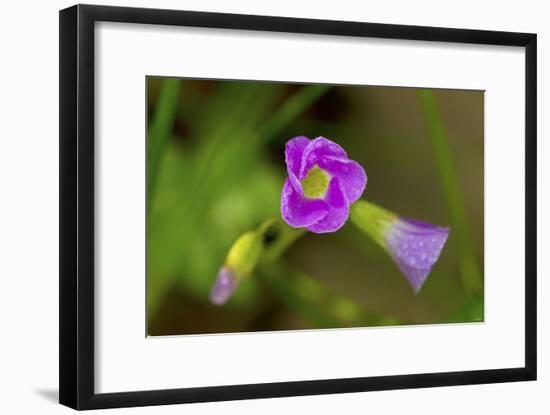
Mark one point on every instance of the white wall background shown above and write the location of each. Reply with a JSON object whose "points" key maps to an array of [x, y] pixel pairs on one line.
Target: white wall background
{"points": [[29, 206]]}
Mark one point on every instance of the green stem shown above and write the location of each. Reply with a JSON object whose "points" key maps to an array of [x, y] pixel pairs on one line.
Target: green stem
{"points": [[260, 246], [278, 236], [469, 268]]}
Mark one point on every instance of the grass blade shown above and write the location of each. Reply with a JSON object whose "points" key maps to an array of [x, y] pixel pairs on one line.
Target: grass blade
{"points": [[292, 108], [469, 268], [160, 130]]}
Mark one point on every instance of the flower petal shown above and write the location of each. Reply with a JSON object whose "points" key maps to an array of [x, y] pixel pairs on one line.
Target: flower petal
{"points": [[416, 247], [317, 148], [338, 210], [223, 287], [294, 150], [336, 196], [351, 175], [298, 211], [295, 183]]}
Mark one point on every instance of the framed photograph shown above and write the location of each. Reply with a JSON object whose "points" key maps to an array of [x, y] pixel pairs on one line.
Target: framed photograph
{"points": [[258, 207]]}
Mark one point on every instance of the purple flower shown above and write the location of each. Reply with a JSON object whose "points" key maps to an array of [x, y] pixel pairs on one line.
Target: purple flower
{"points": [[322, 183], [415, 246], [223, 287]]}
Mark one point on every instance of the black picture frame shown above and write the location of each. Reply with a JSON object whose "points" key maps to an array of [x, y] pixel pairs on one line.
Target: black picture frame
{"points": [[77, 175]]}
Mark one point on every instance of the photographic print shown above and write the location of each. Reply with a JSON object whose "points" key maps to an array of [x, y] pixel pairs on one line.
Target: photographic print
{"points": [[288, 206], [291, 212]]}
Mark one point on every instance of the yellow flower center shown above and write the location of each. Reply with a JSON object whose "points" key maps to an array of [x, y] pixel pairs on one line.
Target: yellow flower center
{"points": [[315, 184]]}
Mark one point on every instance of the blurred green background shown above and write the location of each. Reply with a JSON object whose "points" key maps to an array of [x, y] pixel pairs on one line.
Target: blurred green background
{"points": [[215, 169]]}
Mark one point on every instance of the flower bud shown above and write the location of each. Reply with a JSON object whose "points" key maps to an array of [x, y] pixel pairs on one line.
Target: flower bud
{"points": [[241, 260]]}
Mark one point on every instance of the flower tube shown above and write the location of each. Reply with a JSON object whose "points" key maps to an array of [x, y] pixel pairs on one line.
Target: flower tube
{"points": [[414, 245]]}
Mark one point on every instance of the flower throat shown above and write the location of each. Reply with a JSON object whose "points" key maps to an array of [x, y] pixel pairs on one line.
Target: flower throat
{"points": [[315, 184]]}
